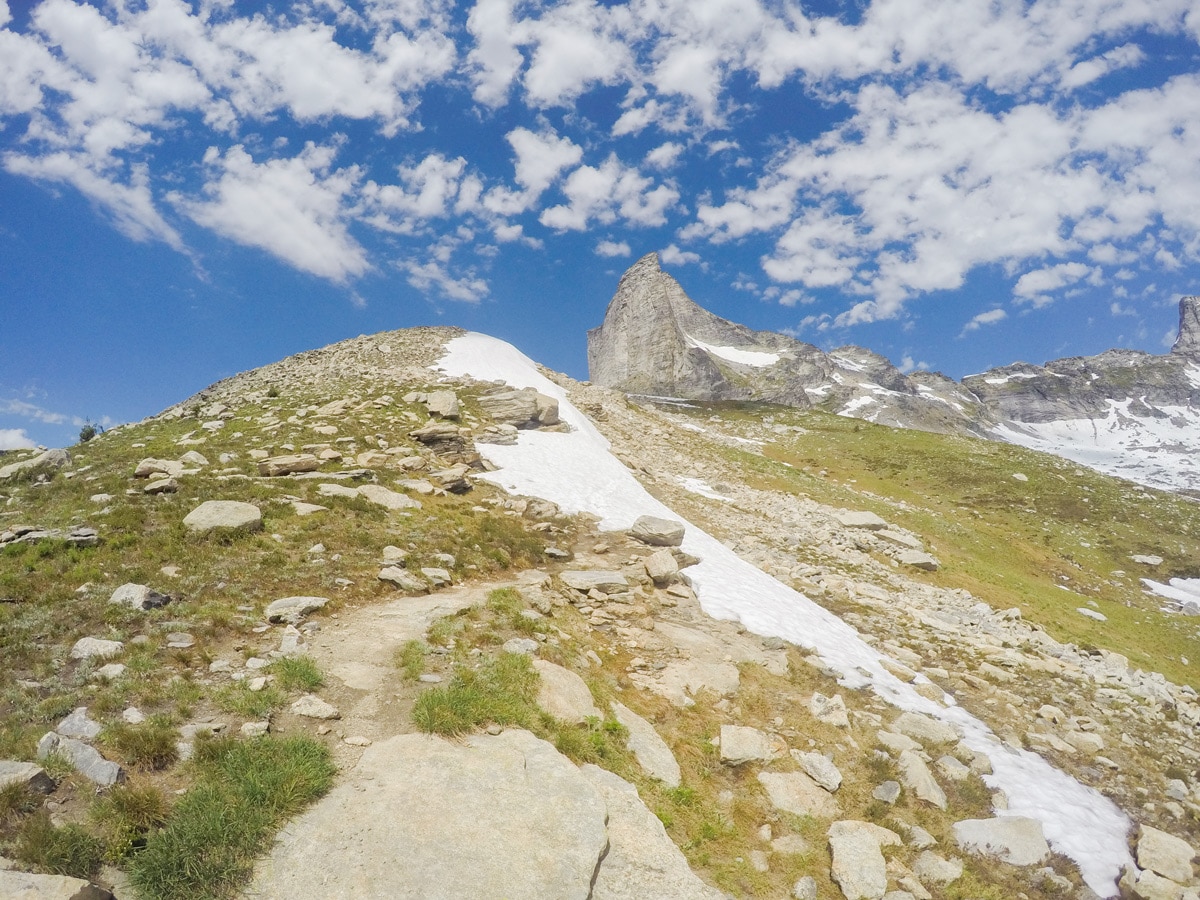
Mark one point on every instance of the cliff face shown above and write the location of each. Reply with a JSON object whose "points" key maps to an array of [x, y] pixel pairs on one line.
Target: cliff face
{"points": [[656, 341], [1125, 412]]}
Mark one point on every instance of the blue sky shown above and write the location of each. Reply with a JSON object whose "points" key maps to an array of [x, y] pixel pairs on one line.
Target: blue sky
{"points": [[189, 190]]}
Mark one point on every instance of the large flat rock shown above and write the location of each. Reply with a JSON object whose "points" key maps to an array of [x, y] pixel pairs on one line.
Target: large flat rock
{"points": [[423, 818]]}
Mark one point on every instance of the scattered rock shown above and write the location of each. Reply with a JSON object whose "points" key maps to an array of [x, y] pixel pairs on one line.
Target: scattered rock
{"points": [[138, 596], [32, 776], [27, 886], [523, 646], [443, 404], [858, 864], [888, 792], [915, 776], [86, 760], [1165, 854], [223, 515], [78, 725], [95, 648], [820, 769], [741, 744], [151, 466], [859, 519], [589, 580], [438, 577], [932, 868], [293, 609], [657, 532], [925, 729], [798, 794], [662, 567], [403, 579], [313, 707], [1011, 839], [648, 747], [564, 694], [918, 559], [830, 710]]}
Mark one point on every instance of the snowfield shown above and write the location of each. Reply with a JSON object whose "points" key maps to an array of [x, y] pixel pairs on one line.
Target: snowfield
{"points": [[577, 471]]}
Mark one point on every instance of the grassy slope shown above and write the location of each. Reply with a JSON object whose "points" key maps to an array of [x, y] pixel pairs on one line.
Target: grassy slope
{"points": [[1009, 542]]}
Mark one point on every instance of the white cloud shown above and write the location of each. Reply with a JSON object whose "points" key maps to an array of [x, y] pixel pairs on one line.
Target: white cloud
{"points": [[428, 190], [907, 365], [1087, 71], [434, 276], [1035, 286], [292, 208], [606, 193], [14, 438], [577, 44], [991, 317], [673, 256], [613, 248], [664, 156], [540, 158]]}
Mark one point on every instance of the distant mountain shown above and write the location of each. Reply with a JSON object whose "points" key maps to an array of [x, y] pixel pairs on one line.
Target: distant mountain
{"points": [[1123, 412]]}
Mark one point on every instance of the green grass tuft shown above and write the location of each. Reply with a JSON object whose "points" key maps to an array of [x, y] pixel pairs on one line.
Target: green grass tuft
{"points": [[69, 850], [150, 745], [297, 673], [243, 792], [501, 691], [410, 659]]}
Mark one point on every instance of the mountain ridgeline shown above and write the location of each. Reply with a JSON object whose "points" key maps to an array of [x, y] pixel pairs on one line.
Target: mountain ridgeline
{"points": [[1124, 412]]}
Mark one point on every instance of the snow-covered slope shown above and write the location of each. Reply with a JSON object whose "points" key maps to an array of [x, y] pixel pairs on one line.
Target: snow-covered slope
{"points": [[577, 471]]}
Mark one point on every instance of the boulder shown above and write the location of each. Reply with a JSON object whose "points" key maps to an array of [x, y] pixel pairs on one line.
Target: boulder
{"points": [[223, 515], [443, 404], [860, 519], [915, 776], [925, 729], [138, 596], [387, 498], [858, 864], [287, 465], [564, 694], [86, 760], [796, 793], [931, 868], [648, 747], [657, 532], [1011, 839], [1169, 856], [741, 744], [587, 580], [49, 461], [313, 707], [489, 816], [830, 710], [642, 861], [79, 725], [662, 567], [337, 490], [151, 466], [403, 579], [293, 609], [524, 408], [820, 769], [918, 559], [32, 776], [95, 648], [1148, 885]]}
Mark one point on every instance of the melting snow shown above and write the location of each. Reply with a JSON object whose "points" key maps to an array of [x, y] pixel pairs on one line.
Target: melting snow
{"points": [[577, 471], [1184, 591], [755, 358], [855, 405], [698, 486]]}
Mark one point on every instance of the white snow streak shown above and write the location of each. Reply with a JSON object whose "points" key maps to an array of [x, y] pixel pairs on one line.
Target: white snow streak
{"points": [[756, 358], [577, 471]]}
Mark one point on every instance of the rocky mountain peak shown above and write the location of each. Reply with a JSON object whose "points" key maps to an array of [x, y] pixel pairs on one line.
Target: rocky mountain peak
{"points": [[1188, 342]]}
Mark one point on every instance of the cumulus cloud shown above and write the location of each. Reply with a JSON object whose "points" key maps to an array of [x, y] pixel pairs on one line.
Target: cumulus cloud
{"points": [[607, 192], [613, 248], [14, 438], [292, 208], [991, 317], [433, 276], [1036, 286], [671, 255]]}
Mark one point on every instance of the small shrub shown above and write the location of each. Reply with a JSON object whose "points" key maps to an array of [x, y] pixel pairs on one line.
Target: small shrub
{"points": [[150, 745], [501, 691], [410, 659], [87, 432], [69, 850], [297, 673]]}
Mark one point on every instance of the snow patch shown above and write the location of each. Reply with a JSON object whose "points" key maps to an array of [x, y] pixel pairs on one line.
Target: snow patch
{"points": [[577, 471], [698, 486], [756, 358], [855, 405]]}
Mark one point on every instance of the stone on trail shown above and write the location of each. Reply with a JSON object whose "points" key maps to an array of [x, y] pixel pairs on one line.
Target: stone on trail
{"points": [[1169, 856], [648, 747], [403, 579], [564, 694], [1011, 839], [587, 580], [138, 596], [223, 515], [293, 609], [489, 816], [657, 532], [313, 707], [642, 861]]}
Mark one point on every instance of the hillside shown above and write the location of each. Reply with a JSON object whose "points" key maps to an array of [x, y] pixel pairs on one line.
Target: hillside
{"points": [[871, 654], [1122, 412]]}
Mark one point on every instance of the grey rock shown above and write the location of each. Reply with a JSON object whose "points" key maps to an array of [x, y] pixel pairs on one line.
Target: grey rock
{"points": [[858, 864], [820, 769], [46, 462], [28, 774], [657, 532], [521, 408], [387, 498], [223, 515], [150, 467], [796, 793], [918, 559], [79, 725], [915, 776], [589, 579], [95, 648], [888, 792], [139, 596], [931, 868], [805, 888], [513, 818], [564, 694], [313, 707], [1169, 856], [642, 861], [1149, 885], [662, 567], [161, 486], [337, 490], [443, 404], [856, 518], [521, 646], [741, 744], [1011, 839], [438, 577], [293, 609], [830, 710], [403, 579], [290, 464], [952, 768], [925, 729], [86, 760], [648, 747]]}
